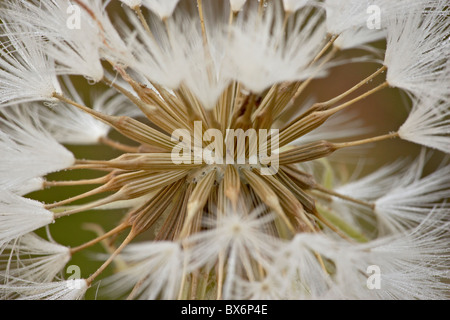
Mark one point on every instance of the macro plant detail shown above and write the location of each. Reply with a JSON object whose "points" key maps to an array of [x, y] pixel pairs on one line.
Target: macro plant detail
{"points": [[257, 207]]}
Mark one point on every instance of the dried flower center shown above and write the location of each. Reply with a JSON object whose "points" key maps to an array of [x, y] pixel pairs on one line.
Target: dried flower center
{"points": [[180, 170]]}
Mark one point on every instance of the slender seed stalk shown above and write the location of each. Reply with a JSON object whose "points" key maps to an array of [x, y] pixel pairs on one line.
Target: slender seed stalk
{"points": [[344, 197], [117, 145], [108, 234], [127, 240], [143, 21]]}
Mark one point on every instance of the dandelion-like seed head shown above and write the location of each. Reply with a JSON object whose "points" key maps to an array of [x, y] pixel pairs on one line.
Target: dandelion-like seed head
{"points": [[225, 167]]}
